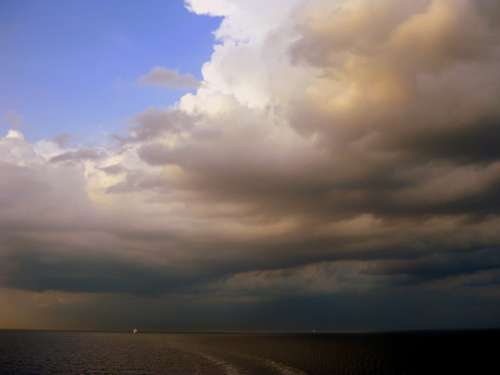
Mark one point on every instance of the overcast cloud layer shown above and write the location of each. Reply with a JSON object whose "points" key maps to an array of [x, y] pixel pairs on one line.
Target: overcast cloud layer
{"points": [[340, 162]]}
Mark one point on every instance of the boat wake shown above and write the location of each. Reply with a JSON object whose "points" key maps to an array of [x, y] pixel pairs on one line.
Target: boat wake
{"points": [[248, 365], [281, 368], [225, 367]]}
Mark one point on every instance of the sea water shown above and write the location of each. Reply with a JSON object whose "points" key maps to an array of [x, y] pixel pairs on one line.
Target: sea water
{"points": [[44, 352]]}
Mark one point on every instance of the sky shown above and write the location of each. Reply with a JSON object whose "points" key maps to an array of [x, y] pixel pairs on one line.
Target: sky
{"points": [[72, 66], [250, 165]]}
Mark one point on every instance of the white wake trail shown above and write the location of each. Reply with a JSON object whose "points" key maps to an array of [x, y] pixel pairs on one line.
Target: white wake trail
{"points": [[228, 368], [282, 368]]}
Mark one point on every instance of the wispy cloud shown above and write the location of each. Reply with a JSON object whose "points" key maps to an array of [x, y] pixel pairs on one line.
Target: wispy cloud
{"points": [[169, 78]]}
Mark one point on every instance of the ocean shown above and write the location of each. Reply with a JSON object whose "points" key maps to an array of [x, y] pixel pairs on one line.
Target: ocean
{"points": [[47, 352]]}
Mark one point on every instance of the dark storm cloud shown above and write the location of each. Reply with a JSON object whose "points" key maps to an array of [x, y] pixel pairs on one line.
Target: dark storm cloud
{"points": [[472, 143], [442, 265], [43, 271], [396, 186], [85, 268]]}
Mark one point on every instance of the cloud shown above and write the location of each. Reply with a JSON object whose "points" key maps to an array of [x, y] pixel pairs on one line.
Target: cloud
{"points": [[14, 134], [114, 169], [169, 78], [82, 154], [155, 123], [341, 149]]}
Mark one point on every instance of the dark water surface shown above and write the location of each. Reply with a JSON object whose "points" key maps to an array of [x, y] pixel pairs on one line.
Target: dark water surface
{"points": [[32, 352]]}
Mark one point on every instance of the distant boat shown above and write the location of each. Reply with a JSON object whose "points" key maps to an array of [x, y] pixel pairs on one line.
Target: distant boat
{"points": [[135, 330]]}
